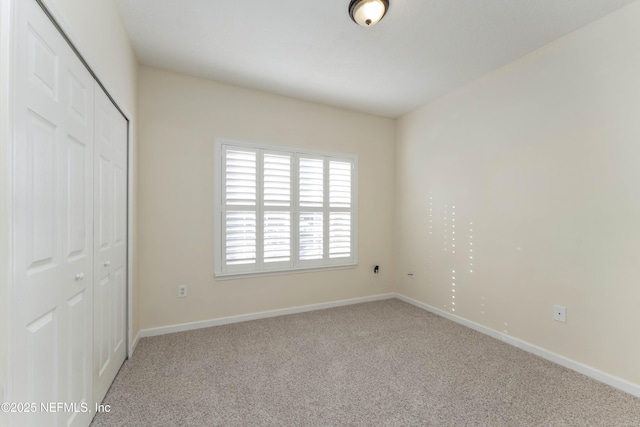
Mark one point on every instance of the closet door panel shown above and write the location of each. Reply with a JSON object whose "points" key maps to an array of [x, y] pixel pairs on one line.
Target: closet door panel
{"points": [[40, 176], [53, 215], [119, 311], [43, 355], [77, 225], [110, 195], [102, 321], [104, 197]]}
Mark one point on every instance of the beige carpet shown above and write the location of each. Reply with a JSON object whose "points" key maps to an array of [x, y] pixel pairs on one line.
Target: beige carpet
{"points": [[384, 363]]}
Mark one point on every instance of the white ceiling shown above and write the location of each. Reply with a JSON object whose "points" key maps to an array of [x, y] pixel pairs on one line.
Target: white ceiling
{"points": [[310, 49]]}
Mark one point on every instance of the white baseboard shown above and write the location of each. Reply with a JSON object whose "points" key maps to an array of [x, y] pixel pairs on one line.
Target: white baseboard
{"points": [[620, 384], [255, 316]]}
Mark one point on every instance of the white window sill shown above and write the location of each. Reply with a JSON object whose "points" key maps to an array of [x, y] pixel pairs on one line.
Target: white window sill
{"points": [[232, 276]]}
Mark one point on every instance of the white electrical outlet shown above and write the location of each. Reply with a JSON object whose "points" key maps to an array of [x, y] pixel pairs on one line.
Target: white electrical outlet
{"points": [[560, 313], [182, 291]]}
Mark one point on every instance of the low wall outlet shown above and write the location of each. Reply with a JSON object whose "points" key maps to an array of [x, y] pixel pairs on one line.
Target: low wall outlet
{"points": [[375, 270], [182, 291], [560, 313]]}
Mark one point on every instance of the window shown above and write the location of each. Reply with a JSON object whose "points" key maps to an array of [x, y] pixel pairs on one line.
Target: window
{"points": [[280, 209]]}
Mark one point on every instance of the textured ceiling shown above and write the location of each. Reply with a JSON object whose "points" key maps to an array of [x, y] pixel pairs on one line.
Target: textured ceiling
{"points": [[312, 50]]}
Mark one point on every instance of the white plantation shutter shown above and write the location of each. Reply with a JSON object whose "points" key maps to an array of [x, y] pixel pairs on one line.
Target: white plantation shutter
{"points": [[240, 237], [311, 182], [277, 236], [339, 235], [277, 180], [311, 195], [240, 184], [276, 198], [340, 239], [240, 219], [311, 236], [282, 209], [339, 184]]}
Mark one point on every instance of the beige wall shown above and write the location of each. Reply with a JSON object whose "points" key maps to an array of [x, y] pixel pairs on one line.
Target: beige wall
{"points": [[179, 118], [96, 29], [543, 157]]}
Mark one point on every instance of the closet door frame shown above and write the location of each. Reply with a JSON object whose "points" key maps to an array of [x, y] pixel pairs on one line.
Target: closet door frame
{"points": [[6, 198]]}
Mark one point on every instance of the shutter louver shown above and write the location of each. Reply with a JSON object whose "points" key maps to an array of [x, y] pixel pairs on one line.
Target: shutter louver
{"points": [[240, 179], [311, 236], [277, 180], [339, 184], [277, 236], [240, 237], [311, 182]]}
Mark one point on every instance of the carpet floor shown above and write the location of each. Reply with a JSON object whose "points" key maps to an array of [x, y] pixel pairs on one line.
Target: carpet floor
{"points": [[384, 363]]}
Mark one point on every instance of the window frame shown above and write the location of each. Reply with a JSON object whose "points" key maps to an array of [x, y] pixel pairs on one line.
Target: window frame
{"points": [[260, 268]]}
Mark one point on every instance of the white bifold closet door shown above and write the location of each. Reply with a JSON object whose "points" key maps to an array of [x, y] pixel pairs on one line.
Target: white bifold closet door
{"points": [[110, 243], [69, 229], [53, 223]]}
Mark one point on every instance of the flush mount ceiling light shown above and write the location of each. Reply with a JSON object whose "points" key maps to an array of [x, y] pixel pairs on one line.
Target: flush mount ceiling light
{"points": [[368, 12]]}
